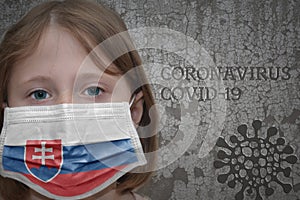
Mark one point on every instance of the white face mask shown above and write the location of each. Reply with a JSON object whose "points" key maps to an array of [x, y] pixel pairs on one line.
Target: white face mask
{"points": [[69, 151]]}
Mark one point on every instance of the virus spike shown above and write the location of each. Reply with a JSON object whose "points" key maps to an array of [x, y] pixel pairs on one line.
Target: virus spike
{"points": [[291, 159], [287, 171], [222, 143], [222, 178], [280, 141], [242, 129], [219, 164], [231, 183], [286, 187], [269, 191], [288, 150], [256, 125], [271, 132], [240, 194], [222, 155], [234, 139]]}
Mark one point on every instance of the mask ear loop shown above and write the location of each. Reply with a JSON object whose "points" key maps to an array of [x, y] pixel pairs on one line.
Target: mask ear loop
{"points": [[132, 100]]}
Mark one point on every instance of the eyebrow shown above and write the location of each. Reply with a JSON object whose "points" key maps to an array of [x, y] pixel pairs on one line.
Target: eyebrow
{"points": [[39, 78], [98, 76], [103, 78], [90, 75]]}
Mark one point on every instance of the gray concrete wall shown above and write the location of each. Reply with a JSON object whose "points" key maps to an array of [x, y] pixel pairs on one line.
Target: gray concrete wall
{"points": [[242, 144]]}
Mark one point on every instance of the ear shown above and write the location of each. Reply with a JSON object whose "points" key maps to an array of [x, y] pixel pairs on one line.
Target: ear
{"points": [[137, 108]]}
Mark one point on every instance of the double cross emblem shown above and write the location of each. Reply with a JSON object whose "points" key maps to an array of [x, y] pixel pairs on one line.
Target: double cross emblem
{"points": [[44, 158], [43, 151]]}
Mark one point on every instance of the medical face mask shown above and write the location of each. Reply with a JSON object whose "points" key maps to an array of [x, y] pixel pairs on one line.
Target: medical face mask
{"points": [[69, 151]]}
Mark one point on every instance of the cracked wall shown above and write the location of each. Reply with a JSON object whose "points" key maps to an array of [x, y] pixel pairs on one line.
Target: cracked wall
{"points": [[254, 47]]}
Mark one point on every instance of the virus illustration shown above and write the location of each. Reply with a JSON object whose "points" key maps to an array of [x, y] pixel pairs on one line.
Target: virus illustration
{"points": [[255, 161]]}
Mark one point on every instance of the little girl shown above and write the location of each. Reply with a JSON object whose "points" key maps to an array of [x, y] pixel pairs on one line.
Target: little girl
{"points": [[48, 59]]}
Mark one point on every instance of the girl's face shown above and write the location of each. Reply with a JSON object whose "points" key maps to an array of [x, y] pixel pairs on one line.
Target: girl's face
{"points": [[55, 74]]}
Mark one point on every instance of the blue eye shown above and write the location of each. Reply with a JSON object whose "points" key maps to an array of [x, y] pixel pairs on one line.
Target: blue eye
{"points": [[93, 91], [40, 95]]}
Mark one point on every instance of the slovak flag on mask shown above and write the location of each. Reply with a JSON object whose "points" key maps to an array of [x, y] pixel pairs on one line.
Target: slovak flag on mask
{"points": [[69, 151]]}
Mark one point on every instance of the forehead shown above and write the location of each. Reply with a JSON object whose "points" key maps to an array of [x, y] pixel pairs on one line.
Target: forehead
{"points": [[59, 50], [55, 47]]}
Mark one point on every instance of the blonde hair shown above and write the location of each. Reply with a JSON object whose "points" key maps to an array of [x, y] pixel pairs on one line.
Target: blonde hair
{"points": [[90, 23]]}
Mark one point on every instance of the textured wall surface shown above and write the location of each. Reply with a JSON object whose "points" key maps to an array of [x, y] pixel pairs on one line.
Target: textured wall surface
{"points": [[229, 107]]}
